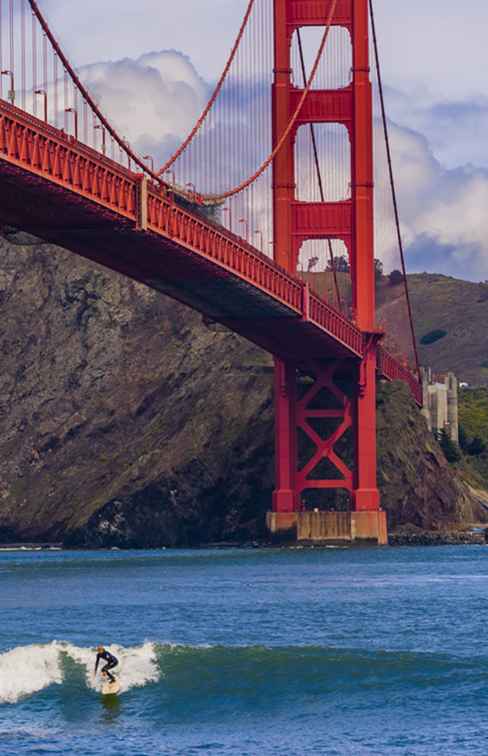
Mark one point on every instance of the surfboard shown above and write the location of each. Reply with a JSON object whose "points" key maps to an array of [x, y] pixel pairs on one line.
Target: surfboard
{"points": [[110, 688]]}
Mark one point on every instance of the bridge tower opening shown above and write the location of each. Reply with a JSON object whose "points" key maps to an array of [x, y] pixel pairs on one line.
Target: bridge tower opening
{"points": [[330, 396]]}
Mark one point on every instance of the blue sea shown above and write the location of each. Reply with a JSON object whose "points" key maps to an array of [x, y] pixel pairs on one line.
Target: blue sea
{"points": [[325, 651]]}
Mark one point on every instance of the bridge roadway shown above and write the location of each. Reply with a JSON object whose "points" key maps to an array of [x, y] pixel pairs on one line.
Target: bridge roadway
{"points": [[70, 195]]}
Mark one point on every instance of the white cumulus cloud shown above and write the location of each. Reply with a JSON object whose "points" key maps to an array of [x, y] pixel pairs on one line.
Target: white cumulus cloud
{"points": [[152, 101], [155, 99], [439, 206]]}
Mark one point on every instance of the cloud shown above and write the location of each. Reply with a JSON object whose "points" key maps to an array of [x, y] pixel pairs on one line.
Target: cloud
{"points": [[444, 208], [114, 29], [155, 99], [436, 48], [456, 129]]}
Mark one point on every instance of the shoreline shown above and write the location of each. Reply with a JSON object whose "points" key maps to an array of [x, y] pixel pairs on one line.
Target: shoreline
{"points": [[405, 536]]}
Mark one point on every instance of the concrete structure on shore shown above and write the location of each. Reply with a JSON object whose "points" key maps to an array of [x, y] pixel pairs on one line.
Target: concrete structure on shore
{"points": [[319, 527], [440, 398]]}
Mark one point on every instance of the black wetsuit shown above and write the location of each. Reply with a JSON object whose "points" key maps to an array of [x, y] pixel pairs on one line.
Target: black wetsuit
{"points": [[112, 662]]}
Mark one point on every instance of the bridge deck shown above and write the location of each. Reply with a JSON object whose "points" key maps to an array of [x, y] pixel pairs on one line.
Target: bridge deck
{"points": [[70, 195]]}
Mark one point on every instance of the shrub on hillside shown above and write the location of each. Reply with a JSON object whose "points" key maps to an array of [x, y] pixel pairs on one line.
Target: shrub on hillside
{"points": [[464, 439], [450, 449], [474, 446], [395, 277], [433, 336]]}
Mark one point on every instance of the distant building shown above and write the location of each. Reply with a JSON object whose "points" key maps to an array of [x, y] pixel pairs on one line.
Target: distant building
{"points": [[440, 396]]}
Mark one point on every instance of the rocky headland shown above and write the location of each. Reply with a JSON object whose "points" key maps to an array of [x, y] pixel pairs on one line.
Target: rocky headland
{"points": [[126, 421]]}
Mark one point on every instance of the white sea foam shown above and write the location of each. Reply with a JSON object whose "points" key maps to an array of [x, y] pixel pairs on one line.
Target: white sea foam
{"points": [[26, 670], [137, 664]]}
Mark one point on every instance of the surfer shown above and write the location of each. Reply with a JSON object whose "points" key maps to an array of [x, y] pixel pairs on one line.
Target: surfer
{"points": [[111, 660]]}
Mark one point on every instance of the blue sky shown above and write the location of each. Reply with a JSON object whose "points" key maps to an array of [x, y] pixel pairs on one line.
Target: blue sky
{"points": [[434, 62]]}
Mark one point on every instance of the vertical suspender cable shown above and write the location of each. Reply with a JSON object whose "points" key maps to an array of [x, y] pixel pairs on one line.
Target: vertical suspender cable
{"points": [[392, 183], [44, 62], [23, 64], [11, 32], [319, 173], [215, 94], [1, 47], [34, 63]]}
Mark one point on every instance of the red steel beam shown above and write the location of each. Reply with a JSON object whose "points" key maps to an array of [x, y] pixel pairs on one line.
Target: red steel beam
{"points": [[41, 150]]}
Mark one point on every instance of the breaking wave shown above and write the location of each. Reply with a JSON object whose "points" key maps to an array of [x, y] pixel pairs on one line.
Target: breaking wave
{"points": [[209, 675], [30, 669]]}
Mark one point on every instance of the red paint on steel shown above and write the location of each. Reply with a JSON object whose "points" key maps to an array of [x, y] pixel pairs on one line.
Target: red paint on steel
{"points": [[107, 213], [324, 444], [318, 173], [42, 150], [86, 94], [392, 370], [351, 221], [285, 493], [281, 140], [38, 149], [386, 133]]}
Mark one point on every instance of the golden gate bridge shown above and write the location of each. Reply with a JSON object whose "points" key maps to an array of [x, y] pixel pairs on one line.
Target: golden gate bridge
{"points": [[275, 179]]}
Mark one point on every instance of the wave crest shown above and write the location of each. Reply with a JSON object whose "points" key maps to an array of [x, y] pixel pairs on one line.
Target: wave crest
{"points": [[30, 669], [223, 673]]}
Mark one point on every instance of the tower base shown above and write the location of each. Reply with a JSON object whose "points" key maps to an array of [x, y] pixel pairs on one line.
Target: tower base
{"points": [[329, 527]]}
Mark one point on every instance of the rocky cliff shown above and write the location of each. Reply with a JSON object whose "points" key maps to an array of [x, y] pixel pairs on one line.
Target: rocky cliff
{"points": [[124, 420]]}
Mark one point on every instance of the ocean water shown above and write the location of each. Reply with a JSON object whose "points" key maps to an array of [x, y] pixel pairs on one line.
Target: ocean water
{"points": [[334, 651]]}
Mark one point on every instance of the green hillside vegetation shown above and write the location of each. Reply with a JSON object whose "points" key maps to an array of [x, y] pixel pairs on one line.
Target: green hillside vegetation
{"points": [[460, 310], [473, 418], [433, 336], [449, 316]]}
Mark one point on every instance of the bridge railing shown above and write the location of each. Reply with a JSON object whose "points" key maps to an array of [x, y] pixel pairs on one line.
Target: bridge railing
{"points": [[49, 152], [391, 369], [336, 324], [167, 217]]}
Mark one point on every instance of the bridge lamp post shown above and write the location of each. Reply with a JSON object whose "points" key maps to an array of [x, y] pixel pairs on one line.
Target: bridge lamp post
{"points": [[171, 173], [43, 93], [258, 231], [11, 94], [75, 119], [246, 224], [151, 161], [104, 137], [128, 147], [228, 209]]}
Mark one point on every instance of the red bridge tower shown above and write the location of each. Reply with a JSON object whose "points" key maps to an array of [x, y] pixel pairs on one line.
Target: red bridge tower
{"points": [[330, 401]]}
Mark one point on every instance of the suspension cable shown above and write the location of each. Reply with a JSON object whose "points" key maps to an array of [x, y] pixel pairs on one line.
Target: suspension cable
{"points": [[319, 174], [214, 96], [263, 167], [86, 95], [392, 184]]}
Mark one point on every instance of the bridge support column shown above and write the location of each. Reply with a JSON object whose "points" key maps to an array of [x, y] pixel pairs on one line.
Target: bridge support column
{"points": [[325, 435], [284, 497], [326, 415], [366, 495], [281, 522]]}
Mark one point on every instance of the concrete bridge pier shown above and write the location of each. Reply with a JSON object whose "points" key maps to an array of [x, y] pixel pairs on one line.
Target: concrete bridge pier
{"points": [[335, 528]]}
